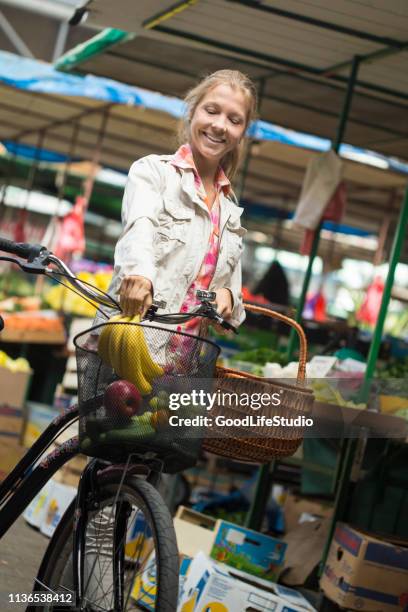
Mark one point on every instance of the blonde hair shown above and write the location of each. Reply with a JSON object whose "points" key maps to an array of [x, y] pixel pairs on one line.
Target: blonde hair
{"points": [[236, 80]]}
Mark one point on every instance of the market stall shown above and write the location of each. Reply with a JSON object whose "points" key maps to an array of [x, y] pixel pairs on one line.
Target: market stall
{"points": [[108, 125], [358, 47]]}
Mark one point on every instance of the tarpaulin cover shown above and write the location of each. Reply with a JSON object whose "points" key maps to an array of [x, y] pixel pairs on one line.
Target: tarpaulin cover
{"points": [[32, 75]]}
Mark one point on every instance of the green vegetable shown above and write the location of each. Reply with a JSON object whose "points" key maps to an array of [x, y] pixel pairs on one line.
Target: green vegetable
{"points": [[395, 368], [261, 356], [86, 445], [130, 434]]}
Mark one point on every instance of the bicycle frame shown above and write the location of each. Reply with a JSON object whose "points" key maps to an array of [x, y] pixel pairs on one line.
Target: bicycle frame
{"points": [[33, 471], [26, 480], [22, 484]]}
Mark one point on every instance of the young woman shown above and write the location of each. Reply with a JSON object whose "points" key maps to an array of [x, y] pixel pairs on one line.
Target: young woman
{"points": [[181, 222]]}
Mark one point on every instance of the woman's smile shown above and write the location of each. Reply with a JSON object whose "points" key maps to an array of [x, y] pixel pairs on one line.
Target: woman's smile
{"points": [[218, 124], [214, 139]]}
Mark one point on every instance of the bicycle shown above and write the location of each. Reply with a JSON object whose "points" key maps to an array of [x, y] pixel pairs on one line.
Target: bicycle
{"points": [[87, 565]]}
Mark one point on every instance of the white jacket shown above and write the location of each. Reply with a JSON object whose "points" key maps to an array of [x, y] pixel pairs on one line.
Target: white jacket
{"points": [[166, 230]]}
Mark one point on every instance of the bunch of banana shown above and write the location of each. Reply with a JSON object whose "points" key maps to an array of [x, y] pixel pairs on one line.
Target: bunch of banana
{"points": [[123, 347]]}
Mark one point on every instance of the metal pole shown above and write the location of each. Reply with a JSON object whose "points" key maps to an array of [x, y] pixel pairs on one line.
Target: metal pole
{"points": [[264, 481], [254, 517], [90, 180], [347, 103], [399, 238], [49, 236], [305, 287], [348, 452], [336, 145], [20, 226], [244, 173], [34, 165], [342, 487], [68, 162], [12, 164], [60, 41], [13, 37], [383, 232]]}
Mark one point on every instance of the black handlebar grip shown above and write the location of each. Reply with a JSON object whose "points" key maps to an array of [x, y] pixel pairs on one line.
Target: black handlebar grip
{"points": [[229, 327], [21, 249]]}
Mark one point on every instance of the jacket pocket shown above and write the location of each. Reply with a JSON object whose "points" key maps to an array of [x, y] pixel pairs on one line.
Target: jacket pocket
{"points": [[234, 233], [169, 239], [174, 210]]}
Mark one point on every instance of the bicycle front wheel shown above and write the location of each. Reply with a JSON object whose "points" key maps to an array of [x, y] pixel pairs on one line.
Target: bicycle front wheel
{"points": [[148, 552]]}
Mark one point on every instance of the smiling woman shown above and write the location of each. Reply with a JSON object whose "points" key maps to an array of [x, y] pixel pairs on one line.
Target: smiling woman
{"points": [[181, 221]]}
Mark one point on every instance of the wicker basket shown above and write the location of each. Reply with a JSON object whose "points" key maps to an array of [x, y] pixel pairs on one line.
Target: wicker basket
{"points": [[296, 400]]}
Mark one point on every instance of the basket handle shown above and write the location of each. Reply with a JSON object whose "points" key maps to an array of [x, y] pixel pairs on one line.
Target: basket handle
{"points": [[301, 373]]}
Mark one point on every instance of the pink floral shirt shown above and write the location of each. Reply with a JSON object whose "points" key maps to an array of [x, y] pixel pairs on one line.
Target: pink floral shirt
{"points": [[183, 159]]}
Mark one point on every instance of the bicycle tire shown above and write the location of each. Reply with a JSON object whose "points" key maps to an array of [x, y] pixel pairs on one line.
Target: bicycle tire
{"points": [[143, 496]]}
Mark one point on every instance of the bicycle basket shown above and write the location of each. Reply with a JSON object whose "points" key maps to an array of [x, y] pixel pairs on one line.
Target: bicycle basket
{"points": [[126, 375], [260, 443]]}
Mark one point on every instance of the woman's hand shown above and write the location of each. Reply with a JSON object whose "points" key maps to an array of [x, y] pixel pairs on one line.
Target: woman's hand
{"points": [[136, 295], [223, 305]]}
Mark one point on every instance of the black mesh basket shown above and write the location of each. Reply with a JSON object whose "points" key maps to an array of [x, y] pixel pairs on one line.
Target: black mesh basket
{"points": [[127, 373]]}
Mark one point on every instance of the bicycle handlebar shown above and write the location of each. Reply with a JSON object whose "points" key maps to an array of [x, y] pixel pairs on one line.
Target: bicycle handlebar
{"points": [[39, 257], [21, 249]]}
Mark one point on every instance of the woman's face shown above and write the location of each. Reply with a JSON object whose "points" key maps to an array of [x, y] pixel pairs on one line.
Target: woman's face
{"points": [[218, 123]]}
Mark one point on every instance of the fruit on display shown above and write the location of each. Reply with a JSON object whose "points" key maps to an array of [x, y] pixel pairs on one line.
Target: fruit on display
{"points": [[159, 419], [123, 347], [15, 284], [325, 392], [18, 304], [63, 299], [122, 398], [30, 321], [396, 324], [393, 404], [161, 400], [14, 365]]}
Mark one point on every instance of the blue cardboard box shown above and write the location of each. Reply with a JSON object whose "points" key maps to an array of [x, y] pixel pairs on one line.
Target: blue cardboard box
{"points": [[364, 572], [248, 551]]}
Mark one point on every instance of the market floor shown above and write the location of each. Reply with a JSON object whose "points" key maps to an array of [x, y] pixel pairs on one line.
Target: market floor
{"points": [[21, 551]]}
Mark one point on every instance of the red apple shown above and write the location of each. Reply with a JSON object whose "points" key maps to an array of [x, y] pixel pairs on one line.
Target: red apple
{"points": [[122, 398]]}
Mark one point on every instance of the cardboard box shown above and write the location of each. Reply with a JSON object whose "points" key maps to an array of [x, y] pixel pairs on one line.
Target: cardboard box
{"points": [[11, 422], [225, 542], [137, 534], [145, 586], [35, 511], [214, 587], [39, 416], [70, 473], [304, 552], [13, 387], [10, 454], [249, 551], [194, 531], [299, 509], [57, 502], [363, 572]]}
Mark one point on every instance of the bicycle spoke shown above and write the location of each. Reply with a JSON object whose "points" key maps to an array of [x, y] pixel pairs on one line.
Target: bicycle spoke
{"points": [[139, 541], [99, 587]]}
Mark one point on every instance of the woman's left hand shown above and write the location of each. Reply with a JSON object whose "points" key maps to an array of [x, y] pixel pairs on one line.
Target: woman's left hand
{"points": [[223, 305]]}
